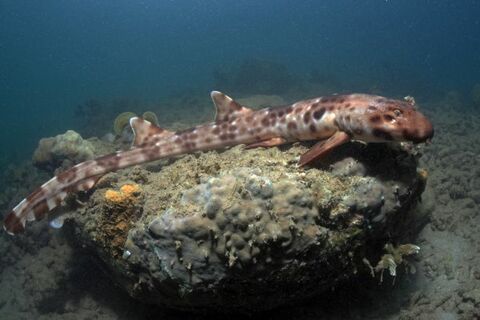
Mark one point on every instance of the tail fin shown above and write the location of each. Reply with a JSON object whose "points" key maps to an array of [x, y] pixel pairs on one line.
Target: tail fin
{"points": [[84, 176], [46, 198]]}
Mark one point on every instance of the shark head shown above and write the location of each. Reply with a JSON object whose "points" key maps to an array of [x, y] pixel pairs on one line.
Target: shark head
{"points": [[380, 120]]}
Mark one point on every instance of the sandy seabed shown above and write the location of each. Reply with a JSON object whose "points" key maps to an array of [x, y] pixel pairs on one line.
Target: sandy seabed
{"points": [[43, 276]]}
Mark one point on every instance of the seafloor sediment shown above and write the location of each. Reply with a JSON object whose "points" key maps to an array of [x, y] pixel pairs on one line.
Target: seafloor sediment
{"points": [[46, 276]]}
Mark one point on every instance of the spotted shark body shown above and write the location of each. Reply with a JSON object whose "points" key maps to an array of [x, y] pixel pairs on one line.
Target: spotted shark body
{"points": [[334, 120]]}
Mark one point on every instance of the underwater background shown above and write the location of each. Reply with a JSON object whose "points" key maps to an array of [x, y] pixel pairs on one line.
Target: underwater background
{"points": [[78, 64], [57, 55]]}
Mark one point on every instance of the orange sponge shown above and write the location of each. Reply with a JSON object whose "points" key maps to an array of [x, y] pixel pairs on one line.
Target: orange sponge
{"points": [[127, 194]]}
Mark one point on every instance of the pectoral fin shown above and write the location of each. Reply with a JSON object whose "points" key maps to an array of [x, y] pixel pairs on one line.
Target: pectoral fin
{"points": [[323, 148]]}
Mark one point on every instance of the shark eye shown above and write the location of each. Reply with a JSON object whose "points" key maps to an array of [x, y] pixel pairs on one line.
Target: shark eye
{"points": [[397, 112]]}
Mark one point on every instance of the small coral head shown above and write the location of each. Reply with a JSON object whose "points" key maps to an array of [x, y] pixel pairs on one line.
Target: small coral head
{"points": [[396, 120]]}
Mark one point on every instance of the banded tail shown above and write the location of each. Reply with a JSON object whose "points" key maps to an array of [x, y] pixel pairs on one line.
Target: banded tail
{"points": [[81, 177], [40, 202]]}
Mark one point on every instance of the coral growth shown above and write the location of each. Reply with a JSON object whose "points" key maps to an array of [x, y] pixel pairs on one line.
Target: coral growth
{"points": [[122, 120], [150, 116], [394, 257], [63, 151], [127, 194], [121, 208], [94, 116]]}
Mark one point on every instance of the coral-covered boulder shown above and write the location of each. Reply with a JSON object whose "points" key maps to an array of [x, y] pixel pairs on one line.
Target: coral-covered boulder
{"points": [[249, 230], [62, 150]]}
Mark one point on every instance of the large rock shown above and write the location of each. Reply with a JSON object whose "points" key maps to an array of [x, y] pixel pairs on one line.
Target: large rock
{"points": [[248, 230]]}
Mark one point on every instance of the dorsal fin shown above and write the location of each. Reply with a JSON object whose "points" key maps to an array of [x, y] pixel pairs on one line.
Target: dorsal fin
{"points": [[227, 108], [145, 132]]}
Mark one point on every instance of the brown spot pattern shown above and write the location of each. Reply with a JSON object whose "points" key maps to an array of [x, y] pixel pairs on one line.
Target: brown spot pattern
{"points": [[265, 121], [67, 176], [41, 209], [306, 117], [318, 114], [35, 195], [13, 224], [292, 125], [375, 119]]}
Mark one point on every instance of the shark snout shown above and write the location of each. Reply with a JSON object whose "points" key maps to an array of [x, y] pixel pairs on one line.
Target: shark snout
{"points": [[419, 131]]}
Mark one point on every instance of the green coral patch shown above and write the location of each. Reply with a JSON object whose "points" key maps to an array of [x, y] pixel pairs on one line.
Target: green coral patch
{"points": [[151, 117], [121, 121]]}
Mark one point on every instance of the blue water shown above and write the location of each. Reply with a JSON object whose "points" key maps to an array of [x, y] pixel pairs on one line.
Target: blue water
{"points": [[55, 55]]}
